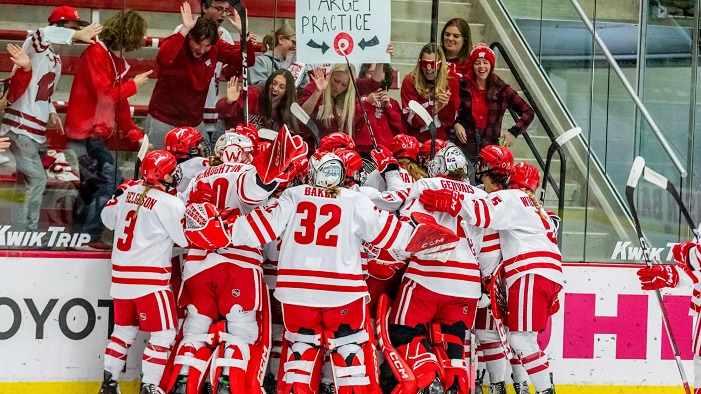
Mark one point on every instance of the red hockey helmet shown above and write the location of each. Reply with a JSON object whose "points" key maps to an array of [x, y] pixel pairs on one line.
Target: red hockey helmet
{"points": [[335, 141], [524, 175], [352, 161], [406, 146], [159, 163], [425, 150], [185, 143], [495, 159]]}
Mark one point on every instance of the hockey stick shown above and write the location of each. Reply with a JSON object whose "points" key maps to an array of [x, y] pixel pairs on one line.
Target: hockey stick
{"points": [[360, 102], [635, 173], [659, 180], [559, 141], [241, 10], [140, 156], [428, 119], [303, 117], [434, 21]]}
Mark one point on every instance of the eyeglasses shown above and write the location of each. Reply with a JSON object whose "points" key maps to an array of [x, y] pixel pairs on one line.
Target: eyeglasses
{"points": [[222, 10]]}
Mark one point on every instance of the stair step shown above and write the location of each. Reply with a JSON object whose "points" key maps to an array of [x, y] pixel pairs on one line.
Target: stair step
{"points": [[419, 10]]}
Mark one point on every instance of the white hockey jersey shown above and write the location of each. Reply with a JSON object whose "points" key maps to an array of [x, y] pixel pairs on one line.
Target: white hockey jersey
{"points": [[143, 240], [528, 240], [190, 169], [460, 275], [320, 262], [376, 181], [234, 186], [30, 113], [210, 111], [390, 199]]}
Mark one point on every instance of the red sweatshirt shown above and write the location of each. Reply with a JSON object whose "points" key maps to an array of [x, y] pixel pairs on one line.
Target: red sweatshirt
{"points": [[458, 68], [385, 122], [183, 81], [99, 95], [333, 126], [444, 119]]}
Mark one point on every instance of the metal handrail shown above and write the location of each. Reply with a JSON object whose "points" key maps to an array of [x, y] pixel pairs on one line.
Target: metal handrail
{"points": [[638, 103], [545, 165]]}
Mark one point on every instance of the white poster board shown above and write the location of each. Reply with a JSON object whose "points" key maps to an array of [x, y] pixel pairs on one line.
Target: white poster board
{"points": [[326, 29]]}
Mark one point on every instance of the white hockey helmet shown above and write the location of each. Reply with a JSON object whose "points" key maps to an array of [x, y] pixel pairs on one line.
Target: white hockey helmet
{"points": [[234, 147], [447, 159], [326, 171]]}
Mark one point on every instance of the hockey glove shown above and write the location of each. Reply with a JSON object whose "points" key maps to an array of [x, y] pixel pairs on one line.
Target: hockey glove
{"points": [[681, 251], [203, 193], [384, 270], [207, 228], [383, 159], [441, 201], [658, 277], [124, 186]]}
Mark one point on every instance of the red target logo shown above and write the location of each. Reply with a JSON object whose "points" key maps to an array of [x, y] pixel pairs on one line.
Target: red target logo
{"points": [[343, 44]]}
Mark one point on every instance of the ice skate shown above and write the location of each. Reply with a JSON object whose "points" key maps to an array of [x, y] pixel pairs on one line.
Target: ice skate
{"points": [[434, 388], [327, 388], [497, 388], [109, 386], [521, 388], [150, 389], [223, 385], [269, 384]]}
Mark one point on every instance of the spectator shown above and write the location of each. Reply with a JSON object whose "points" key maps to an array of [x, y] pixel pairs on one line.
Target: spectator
{"points": [[187, 62], [329, 101], [484, 98], [14, 87], [277, 47], [431, 86], [384, 112], [31, 109], [215, 10], [456, 44], [269, 110], [98, 107]]}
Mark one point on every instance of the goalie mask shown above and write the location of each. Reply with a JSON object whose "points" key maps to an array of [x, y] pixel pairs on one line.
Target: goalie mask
{"points": [[446, 160], [233, 147], [326, 171]]}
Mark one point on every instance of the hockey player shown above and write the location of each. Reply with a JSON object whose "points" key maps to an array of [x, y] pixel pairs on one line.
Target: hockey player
{"points": [[226, 286], [532, 261], [439, 299], [146, 220], [27, 116], [687, 259], [320, 282], [190, 150], [425, 152], [405, 149]]}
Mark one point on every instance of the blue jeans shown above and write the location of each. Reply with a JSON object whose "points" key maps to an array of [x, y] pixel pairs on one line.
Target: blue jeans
{"points": [[30, 182]]}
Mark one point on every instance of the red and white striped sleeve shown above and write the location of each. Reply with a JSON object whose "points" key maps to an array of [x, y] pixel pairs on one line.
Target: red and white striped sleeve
{"points": [[488, 250], [250, 191], [393, 198], [264, 224], [381, 228]]}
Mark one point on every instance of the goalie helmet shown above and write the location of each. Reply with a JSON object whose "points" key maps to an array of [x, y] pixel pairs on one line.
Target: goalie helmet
{"points": [[446, 160], [185, 143], [336, 141], [159, 163], [326, 170], [237, 145], [524, 175], [354, 165], [495, 159], [405, 146]]}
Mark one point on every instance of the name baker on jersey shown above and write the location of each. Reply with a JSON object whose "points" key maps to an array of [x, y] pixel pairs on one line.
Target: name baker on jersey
{"points": [[57, 238]]}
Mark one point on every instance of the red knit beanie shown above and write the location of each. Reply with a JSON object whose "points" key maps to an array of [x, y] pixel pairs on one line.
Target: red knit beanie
{"points": [[483, 51]]}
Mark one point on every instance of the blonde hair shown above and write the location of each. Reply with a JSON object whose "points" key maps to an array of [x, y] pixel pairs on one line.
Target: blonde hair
{"points": [[142, 197], [423, 85], [333, 191], [271, 39], [536, 202], [344, 104], [412, 168]]}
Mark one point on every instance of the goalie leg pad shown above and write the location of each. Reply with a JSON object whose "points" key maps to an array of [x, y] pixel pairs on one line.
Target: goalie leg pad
{"points": [[240, 334], [449, 346]]}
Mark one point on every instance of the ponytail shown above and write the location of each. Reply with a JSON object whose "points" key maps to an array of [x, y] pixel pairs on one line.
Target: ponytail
{"points": [[142, 197], [535, 201], [412, 168], [333, 191], [268, 42]]}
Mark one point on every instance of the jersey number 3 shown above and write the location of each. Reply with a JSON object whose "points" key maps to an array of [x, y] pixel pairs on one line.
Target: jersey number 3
{"points": [[309, 231], [124, 244]]}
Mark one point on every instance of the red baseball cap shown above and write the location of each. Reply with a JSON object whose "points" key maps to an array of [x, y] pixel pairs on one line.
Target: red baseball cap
{"points": [[66, 13]]}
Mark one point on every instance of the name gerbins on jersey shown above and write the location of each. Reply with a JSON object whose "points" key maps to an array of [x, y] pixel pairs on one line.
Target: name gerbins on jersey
{"points": [[148, 203]]}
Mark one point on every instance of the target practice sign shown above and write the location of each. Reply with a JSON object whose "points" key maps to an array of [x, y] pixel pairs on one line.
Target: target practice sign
{"points": [[329, 29]]}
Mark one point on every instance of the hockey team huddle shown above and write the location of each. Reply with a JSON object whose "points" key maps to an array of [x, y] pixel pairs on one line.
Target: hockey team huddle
{"points": [[302, 273]]}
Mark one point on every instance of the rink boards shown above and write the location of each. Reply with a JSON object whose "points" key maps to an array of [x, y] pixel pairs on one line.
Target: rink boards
{"points": [[54, 325]]}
